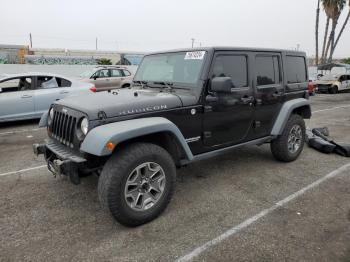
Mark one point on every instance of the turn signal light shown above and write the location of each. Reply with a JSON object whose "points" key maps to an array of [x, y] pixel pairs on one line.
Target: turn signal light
{"points": [[110, 146], [93, 89]]}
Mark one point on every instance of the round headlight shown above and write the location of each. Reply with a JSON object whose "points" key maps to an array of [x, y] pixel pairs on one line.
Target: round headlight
{"points": [[84, 125]]}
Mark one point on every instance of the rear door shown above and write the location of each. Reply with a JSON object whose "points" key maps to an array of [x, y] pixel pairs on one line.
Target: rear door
{"points": [[116, 78], [47, 91], [16, 99], [269, 91]]}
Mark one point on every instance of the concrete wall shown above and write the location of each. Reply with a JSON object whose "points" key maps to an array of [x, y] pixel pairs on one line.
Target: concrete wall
{"points": [[65, 70]]}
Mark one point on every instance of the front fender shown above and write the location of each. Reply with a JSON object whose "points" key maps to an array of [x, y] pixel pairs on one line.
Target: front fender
{"points": [[96, 140], [43, 120], [285, 112]]}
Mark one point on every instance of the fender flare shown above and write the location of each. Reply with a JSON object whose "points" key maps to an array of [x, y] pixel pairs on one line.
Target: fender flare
{"points": [[285, 112], [43, 120], [96, 140]]}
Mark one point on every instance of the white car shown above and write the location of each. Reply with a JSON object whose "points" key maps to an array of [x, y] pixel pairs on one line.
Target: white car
{"points": [[29, 95], [333, 83]]}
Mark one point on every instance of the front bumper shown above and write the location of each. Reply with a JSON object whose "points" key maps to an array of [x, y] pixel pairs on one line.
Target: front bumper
{"points": [[60, 160]]}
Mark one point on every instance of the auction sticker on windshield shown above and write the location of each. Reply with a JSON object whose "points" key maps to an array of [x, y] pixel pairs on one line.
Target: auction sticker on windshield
{"points": [[197, 55]]}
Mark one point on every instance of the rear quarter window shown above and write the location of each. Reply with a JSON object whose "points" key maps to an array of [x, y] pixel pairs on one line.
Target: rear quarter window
{"points": [[295, 69], [63, 82]]}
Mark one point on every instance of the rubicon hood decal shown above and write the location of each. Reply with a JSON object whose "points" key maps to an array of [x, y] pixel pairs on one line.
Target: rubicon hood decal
{"points": [[122, 103], [143, 110]]}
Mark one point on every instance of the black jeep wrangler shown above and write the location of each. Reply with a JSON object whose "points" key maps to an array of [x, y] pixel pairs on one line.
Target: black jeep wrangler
{"points": [[184, 106]]}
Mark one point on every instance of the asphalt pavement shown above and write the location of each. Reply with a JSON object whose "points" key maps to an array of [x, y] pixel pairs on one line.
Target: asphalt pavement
{"points": [[242, 206]]}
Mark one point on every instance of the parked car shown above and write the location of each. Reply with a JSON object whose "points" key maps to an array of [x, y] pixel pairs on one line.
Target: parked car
{"points": [[28, 96], [312, 87], [108, 77], [187, 105], [333, 83]]}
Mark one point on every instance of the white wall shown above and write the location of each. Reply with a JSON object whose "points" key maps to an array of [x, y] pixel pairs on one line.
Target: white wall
{"points": [[65, 70]]}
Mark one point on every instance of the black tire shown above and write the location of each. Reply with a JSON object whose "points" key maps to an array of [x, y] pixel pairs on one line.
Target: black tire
{"points": [[333, 90], [279, 146], [113, 178]]}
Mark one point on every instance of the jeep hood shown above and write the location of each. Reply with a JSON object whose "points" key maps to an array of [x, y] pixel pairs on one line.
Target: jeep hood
{"points": [[122, 102]]}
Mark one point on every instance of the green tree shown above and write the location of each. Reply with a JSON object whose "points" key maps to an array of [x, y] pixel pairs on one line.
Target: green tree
{"points": [[346, 60], [317, 26], [333, 10], [341, 31], [104, 61]]}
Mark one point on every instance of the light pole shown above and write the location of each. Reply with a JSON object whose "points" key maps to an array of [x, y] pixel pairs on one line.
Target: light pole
{"points": [[192, 39]]}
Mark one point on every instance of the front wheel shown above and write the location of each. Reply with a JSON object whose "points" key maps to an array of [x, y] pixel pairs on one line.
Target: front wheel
{"points": [[333, 90], [288, 146], [137, 183]]}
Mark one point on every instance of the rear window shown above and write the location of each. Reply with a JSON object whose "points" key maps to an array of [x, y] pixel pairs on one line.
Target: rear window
{"points": [[295, 69]]}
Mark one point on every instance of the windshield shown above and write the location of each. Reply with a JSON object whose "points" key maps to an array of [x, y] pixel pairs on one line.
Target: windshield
{"points": [[329, 77], [182, 67], [88, 74]]}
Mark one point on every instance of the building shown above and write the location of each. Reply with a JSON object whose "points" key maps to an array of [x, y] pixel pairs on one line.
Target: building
{"points": [[13, 54]]}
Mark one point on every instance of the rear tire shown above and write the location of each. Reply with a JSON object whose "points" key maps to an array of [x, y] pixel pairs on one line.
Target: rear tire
{"points": [[288, 146], [130, 186]]}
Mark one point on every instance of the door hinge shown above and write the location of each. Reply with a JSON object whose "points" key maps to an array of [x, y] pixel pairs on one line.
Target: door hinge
{"points": [[208, 109], [257, 124], [206, 134]]}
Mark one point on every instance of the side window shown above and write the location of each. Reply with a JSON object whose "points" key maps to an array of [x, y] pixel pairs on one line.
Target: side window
{"points": [[126, 73], [63, 82], [267, 70], [46, 82], [102, 73], [234, 66], [116, 73], [16, 84], [295, 69]]}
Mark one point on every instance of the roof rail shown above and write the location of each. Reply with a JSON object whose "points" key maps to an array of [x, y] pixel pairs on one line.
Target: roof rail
{"points": [[107, 66]]}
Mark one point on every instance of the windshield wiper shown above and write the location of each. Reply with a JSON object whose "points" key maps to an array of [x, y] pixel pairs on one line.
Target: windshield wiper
{"points": [[169, 85], [141, 83]]}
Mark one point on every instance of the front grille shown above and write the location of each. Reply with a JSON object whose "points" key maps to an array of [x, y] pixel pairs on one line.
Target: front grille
{"points": [[63, 128]]}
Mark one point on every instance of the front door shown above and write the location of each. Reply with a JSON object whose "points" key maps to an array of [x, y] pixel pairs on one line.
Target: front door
{"points": [[229, 119], [269, 91], [16, 99], [102, 79]]}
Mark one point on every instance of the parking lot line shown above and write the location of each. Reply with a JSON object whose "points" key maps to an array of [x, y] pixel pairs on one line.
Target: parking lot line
{"points": [[22, 170], [329, 109], [19, 131], [234, 230]]}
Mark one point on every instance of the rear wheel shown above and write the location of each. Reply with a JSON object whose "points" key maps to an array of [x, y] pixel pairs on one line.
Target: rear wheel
{"points": [[288, 146], [137, 183]]}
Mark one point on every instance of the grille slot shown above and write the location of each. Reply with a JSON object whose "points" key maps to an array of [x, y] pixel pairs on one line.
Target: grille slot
{"points": [[63, 128]]}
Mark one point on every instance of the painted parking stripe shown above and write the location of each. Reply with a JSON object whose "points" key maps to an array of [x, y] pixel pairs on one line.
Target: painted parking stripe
{"points": [[19, 131], [332, 108], [234, 230], [22, 171]]}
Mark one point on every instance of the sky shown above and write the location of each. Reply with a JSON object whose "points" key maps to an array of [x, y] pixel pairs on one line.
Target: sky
{"points": [[151, 25]]}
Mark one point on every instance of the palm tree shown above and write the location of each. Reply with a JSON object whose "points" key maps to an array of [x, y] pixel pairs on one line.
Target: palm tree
{"points": [[340, 33], [333, 10], [327, 8], [316, 30]]}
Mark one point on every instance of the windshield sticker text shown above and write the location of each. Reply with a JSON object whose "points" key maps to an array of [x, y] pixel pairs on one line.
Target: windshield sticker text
{"points": [[197, 55]]}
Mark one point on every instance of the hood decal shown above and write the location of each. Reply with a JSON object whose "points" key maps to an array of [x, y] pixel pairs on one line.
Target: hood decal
{"points": [[142, 110]]}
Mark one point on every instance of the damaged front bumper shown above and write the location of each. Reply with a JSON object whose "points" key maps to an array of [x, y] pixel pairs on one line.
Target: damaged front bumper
{"points": [[60, 160]]}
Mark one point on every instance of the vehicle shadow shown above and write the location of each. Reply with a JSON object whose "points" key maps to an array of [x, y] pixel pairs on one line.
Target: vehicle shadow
{"points": [[20, 123]]}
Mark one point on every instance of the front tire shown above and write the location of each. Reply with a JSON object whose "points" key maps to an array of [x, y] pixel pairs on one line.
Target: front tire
{"points": [[333, 90], [137, 183], [288, 146]]}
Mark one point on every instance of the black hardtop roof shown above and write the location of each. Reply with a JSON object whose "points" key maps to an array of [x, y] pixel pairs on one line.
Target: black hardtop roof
{"points": [[228, 48]]}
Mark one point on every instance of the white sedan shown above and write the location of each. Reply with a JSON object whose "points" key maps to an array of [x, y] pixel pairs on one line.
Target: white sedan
{"points": [[28, 96]]}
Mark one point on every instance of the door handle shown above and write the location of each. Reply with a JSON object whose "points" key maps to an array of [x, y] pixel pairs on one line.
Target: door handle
{"points": [[247, 100], [26, 96], [64, 92]]}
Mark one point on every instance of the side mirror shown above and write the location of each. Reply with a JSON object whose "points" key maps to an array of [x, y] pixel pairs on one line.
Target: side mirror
{"points": [[95, 77], [221, 84]]}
